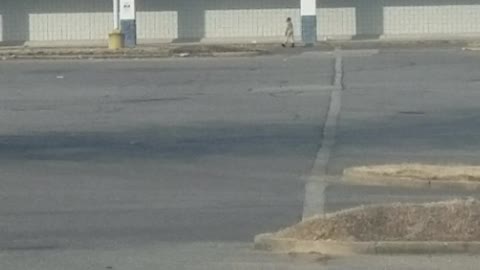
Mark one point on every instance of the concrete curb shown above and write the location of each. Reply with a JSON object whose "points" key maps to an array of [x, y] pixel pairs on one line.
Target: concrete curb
{"points": [[388, 181], [121, 56], [472, 49], [401, 43], [79, 57], [100, 53], [268, 242], [239, 54], [220, 54]]}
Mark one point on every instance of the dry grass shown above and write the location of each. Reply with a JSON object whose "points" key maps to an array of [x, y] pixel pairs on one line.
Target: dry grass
{"points": [[457, 220], [419, 172]]}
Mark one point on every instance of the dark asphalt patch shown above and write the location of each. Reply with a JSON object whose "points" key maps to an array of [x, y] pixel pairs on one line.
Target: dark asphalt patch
{"points": [[150, 100], [412, 112], [29, 248]]}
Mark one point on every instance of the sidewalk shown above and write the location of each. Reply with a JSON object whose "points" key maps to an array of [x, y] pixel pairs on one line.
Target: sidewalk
{"points": [[97, 50], [150, 51]]}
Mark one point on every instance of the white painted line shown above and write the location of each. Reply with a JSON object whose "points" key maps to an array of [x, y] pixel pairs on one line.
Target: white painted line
{"points": [[338, 70], [329, 134], [314, 203], [294, 88]]}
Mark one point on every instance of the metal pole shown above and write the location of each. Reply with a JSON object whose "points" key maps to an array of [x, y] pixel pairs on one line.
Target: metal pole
{"points": [[116, 16]]}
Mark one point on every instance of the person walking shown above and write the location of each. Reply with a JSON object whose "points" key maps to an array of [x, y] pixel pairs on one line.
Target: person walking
{"points": [[289, 34]]}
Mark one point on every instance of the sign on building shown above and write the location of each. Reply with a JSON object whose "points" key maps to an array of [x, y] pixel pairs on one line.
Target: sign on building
{"points": [[127, 10]]}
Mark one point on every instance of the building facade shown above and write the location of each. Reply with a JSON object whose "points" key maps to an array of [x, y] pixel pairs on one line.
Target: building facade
{"points": [[168, 20]]}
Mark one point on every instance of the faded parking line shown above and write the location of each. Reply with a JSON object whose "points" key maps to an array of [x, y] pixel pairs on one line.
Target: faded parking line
{"points": [[316, 182]]}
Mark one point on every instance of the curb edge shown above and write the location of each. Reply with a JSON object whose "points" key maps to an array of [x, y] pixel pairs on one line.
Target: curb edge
{"points": [[268, 242], [389, 181]]}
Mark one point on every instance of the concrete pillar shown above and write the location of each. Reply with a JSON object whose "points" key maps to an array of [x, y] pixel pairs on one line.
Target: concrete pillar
{"points": [[128, 22], [308, 11]]}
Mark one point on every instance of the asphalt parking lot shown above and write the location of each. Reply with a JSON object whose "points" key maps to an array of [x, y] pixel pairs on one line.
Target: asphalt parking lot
{"points": [[178, 163]]}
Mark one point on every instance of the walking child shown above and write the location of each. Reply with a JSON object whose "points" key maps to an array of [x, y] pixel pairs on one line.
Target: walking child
{"points": [[289, 34]]}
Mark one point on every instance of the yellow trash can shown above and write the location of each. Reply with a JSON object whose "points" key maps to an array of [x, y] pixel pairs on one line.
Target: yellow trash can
{"points": [[115, 40]]}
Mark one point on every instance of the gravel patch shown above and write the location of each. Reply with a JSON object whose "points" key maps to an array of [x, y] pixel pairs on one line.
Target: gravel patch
{"points": [[450, 221]]}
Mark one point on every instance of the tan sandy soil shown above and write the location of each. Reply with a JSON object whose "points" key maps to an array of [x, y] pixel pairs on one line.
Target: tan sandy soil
{"points": [[419, 172], [457, 220]]}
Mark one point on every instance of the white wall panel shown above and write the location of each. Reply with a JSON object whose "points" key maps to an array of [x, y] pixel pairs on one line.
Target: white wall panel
{"points": [[398, 17], [336, 21], [70, 20], [214, 18], [157, 24], [440, 19], [250, 18], [249, 23]]}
